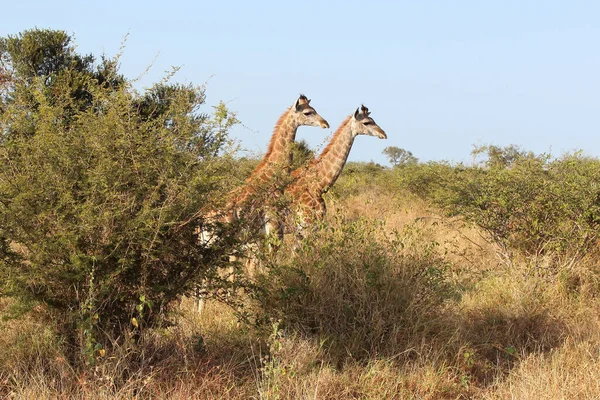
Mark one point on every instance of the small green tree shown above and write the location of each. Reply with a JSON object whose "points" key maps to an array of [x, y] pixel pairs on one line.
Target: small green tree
{"points": [[399, 157], [501, 157], [101, 187]]}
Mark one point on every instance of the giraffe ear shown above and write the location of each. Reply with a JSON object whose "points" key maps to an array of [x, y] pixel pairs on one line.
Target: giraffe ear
{"points": [[356, 113]]}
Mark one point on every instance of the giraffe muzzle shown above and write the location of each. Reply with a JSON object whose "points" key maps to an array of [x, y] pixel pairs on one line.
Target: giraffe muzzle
{"points": [[324, 124]]}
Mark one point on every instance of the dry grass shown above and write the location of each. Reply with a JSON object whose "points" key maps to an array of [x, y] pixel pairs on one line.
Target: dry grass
{"points": [[570, 372], [369, 323]]}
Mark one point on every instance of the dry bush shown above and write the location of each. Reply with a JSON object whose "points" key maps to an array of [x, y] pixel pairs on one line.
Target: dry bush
{"points": [[359, 288]]}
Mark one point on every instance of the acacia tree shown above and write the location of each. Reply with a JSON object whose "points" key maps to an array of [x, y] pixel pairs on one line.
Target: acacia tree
{"points": [[501, 157], [399, 157], [101, 187]]}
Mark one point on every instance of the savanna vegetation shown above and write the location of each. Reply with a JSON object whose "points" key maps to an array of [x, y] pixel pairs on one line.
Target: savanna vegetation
{"points": [[425, 280]]}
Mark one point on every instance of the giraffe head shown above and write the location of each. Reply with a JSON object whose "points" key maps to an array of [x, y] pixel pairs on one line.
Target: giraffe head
{"points": [[363, 124], [304, 114]]}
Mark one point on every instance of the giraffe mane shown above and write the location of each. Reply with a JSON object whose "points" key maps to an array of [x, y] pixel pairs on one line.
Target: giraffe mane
{"points": [[335, 135], [273, 138]]}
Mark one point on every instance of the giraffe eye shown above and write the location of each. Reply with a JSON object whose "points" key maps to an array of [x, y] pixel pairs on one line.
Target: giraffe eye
{"points": [[368, 123], [309, 112]]}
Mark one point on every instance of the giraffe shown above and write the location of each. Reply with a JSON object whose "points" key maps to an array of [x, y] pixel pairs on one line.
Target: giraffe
{"points": [[310, 182], [269, 176], [267, 179]]}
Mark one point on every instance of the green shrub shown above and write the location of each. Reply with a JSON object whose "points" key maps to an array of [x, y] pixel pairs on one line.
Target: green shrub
{"points": [[101, 187], [528, 205], [356, 177]]}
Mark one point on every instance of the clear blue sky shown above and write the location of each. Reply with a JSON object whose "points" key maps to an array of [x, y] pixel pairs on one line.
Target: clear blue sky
{"points": [[438, 76]]}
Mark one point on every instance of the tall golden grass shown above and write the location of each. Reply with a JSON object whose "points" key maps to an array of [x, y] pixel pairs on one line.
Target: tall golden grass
{"points": [[388, 299]]}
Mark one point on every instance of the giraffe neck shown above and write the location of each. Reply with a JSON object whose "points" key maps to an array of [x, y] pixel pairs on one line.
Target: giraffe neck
{"points": [[276, 161], [330, 163], [278, 155]]}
